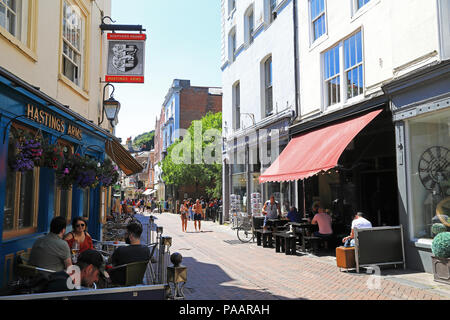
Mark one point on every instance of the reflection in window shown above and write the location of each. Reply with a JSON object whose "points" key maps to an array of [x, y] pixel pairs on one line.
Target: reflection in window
{"points": [[429, 171], [332, 76], [353, 65]]}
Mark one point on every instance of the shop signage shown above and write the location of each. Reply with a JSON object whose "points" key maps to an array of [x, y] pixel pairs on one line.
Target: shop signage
{"points": [[126, 57], [53, 122]]}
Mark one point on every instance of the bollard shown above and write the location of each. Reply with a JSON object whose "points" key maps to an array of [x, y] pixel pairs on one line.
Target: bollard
{"points": [[176, 277], [164, 245]]}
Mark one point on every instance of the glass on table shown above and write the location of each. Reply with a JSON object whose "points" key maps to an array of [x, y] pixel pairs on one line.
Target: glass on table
{"points": [[75, 249]]}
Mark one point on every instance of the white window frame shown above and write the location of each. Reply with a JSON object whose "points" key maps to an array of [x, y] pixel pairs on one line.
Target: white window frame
{"points": [[249, 24], [267, 87], [355, 5], [344, 99], [312, 21], [237, 106], [79, 78], [232, 45]]}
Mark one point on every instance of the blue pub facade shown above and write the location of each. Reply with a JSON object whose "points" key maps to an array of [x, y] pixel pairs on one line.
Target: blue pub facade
{"points": [[30, 200]]}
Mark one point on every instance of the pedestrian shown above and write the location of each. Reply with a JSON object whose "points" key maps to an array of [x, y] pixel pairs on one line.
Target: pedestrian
{"points": [[271, 210], [198, 215], [190, 209], [184, 216]]}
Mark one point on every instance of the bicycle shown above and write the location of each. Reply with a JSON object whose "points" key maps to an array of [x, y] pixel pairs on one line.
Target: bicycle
{"points": [[245, 230]]}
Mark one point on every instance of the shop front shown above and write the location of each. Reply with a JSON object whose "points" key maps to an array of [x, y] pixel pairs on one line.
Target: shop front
{"points": [[346, 162], [248, 156], [421, 112], [32, 193]]}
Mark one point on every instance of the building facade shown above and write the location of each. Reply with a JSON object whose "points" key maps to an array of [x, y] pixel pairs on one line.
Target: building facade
{"points": [[382, 88], [53, 54], [259, 95], [182, 104]]}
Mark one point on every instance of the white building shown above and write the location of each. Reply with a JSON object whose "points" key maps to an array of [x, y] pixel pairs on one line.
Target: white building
{"points": [[258, 89]]}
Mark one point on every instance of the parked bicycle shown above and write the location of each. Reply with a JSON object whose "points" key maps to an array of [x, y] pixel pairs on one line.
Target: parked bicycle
{"points": [[245, 230]]}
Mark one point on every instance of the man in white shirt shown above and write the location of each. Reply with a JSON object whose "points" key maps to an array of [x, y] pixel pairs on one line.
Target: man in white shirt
{"points": [[359, 222], [271, 210]]}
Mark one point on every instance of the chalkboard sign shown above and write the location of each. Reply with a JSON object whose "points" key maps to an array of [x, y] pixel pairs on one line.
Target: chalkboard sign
{"points": [[379, 246]]}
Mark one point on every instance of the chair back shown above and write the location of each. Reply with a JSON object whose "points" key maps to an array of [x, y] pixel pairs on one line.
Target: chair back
{"points": [[135, 273]]}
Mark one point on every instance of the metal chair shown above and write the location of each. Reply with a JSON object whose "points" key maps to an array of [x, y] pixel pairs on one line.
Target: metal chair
{"points": [[24, 270]]}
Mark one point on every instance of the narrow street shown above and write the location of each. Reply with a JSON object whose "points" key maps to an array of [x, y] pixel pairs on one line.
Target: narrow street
{"points": [[220, 267]]}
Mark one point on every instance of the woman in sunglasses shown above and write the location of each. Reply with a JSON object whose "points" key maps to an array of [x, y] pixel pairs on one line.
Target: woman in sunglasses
{"points": [[79, 234]]}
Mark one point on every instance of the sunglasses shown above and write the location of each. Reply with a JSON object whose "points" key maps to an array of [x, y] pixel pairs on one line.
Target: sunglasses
{"points": [[81, 225]]}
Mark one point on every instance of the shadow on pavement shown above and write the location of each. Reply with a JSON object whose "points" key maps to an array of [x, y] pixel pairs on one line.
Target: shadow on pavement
{"points": [[210, 282]]}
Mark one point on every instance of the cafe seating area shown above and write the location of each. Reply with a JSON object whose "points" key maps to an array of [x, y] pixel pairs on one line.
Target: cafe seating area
{"points": [[292, 238]]}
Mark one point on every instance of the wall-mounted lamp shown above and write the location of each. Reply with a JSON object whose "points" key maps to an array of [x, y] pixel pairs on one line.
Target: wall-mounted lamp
{"points": [[111, 107]]}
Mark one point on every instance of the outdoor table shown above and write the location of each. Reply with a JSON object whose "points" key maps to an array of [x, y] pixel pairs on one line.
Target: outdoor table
{"points": [[110, 246], [303, 227], [285, 242], [277, 224], [267, 240]]}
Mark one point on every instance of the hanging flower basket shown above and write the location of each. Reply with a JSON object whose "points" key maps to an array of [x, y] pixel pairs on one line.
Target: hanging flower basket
{"points": [[78, 170], [108, 173], [28, 155], [52, 156]]}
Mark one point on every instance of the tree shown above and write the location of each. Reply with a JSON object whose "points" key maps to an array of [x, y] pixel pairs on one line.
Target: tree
{"points": [[196, 160], [145, 140]]}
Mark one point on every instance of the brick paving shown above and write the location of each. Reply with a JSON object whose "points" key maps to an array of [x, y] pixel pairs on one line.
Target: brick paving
{"points": [[222, 268]]}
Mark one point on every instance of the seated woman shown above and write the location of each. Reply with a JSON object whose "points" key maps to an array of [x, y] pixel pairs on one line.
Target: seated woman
{"points": [[80, 235], [324, 222]]}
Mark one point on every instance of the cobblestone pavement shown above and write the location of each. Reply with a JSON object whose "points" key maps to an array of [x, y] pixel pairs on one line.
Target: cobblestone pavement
{"points": [[220, 267]]}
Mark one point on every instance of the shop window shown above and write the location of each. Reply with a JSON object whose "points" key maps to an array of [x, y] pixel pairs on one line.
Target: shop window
{"points": [[73, 38], [429, 171], [22, 189]]}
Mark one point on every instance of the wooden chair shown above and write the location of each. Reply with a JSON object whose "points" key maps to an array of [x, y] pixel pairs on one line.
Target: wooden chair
{"points": [[129, 274]]}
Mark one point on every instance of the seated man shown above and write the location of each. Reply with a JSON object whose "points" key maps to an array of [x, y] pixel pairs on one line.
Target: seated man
{"points": [[135, 252], [294, 216], [358, 222], [90, 264], [324, 221], [51, 251]]}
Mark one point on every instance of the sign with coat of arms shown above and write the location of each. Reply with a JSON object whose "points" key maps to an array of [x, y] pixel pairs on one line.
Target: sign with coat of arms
{"points": [[126, 57]]}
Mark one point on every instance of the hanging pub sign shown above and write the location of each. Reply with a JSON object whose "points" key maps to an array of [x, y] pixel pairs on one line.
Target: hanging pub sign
{"points": [[126, 57]]}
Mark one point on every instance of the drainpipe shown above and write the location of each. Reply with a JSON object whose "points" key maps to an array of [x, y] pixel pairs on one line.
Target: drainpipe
{"points": [[296, 58]]}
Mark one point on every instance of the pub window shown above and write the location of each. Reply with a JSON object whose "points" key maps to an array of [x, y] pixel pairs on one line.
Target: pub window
{"points": [[86, 199], [73, 36], [63, 198], [22, 189]]}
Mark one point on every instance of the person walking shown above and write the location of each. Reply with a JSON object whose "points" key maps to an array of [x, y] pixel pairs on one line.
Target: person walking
{"points": [[190, 209], [198, 215], [184, 216]]}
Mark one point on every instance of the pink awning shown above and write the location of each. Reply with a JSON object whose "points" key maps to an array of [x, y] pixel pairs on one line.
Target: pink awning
{"points": [[315, 151]]}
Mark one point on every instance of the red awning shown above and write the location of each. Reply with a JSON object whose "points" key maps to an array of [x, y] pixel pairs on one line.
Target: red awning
{"points": [[315, 151]]}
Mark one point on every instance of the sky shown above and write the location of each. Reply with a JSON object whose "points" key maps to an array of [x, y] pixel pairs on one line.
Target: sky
{"points": [[183, 42]]}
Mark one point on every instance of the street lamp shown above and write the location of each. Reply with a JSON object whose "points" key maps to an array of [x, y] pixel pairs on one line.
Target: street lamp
{"points": [[111, 107]]}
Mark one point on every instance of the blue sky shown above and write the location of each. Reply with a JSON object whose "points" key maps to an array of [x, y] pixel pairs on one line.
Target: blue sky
{"points": [[183, 42]]}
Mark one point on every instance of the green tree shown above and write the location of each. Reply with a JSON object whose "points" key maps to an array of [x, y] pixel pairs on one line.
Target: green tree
{"points": [[196, 160], [145, 140]]}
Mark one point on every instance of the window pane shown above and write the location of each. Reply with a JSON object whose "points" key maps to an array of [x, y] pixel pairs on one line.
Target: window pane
{"points": [[358, 48], [11, 23], [360, 80], [2, 15], [355, 82], [86, 202], [8, 219], [64, 204], [338, 88], [27, 194]]}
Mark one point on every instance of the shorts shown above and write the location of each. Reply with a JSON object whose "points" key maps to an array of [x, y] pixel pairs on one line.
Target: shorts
{"points": [[197, 217]]}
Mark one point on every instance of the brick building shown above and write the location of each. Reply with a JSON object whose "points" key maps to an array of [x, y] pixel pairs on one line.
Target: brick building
{"points": [[182, 104]]}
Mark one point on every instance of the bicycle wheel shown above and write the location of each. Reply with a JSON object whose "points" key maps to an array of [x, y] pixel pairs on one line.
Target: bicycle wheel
{"points": [[244, 234]]}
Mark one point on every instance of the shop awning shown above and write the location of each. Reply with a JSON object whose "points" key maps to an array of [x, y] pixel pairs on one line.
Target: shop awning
{"points": [[122, 158], [315, 151]]}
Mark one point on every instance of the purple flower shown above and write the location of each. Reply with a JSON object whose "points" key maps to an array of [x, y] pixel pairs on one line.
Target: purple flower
{"points": [[66, 171]]}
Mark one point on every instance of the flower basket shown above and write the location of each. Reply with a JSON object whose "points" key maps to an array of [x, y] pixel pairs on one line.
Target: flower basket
{"points": [[78, 170], [28, 155], [52, 156], [108, 173]]}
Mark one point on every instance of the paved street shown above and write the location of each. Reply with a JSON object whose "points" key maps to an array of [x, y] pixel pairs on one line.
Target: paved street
{"points": [[222, 268]]}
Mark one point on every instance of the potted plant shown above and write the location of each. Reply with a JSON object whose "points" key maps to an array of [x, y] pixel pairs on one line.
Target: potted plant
{"points": [[441, 257], [28, 155], [108, 173]]}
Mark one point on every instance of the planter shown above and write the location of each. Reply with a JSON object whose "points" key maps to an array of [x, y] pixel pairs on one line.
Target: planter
{"points": [[441, 269]]}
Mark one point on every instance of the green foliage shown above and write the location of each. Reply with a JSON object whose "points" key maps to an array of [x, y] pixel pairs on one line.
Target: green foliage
{"points": [[209, 173], [437, 228], [147, 139], [441, 245]]}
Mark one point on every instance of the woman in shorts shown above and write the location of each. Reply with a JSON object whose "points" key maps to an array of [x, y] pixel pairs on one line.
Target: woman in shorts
{"points": [[184, 216]]}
